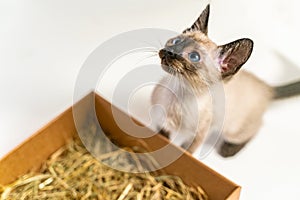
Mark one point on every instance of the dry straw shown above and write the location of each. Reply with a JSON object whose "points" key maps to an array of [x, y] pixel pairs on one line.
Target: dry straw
{"points": [[72, 173]]}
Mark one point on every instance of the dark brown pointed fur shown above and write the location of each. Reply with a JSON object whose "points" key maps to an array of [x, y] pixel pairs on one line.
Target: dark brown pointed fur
{"points": [[201, 23]]}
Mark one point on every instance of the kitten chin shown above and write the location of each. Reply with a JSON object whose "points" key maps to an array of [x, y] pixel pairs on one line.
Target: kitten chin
{"points": [[173, 65]]}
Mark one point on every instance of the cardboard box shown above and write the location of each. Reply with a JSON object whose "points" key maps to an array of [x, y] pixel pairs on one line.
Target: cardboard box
{"points": [[35, 150]]}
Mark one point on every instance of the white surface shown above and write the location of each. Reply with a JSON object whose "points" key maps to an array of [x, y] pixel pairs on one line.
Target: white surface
{"points": [[44, 43]]}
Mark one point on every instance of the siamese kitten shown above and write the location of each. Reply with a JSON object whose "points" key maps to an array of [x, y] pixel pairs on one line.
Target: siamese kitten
{"points": [[195, 64]]}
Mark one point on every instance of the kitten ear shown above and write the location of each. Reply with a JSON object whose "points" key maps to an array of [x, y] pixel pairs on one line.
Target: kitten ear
{"points": [[201, 23], [233, 55]]}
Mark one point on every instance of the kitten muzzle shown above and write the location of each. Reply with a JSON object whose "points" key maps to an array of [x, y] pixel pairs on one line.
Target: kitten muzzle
{"points": [[169, 53]]}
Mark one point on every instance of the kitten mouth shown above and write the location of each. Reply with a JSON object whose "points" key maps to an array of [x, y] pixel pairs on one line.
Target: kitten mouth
{"points": [[172, 65], [171, 62], [168, 66]]}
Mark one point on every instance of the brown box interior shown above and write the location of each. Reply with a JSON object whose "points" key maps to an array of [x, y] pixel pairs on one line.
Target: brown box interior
{"points": [[34, 151]]}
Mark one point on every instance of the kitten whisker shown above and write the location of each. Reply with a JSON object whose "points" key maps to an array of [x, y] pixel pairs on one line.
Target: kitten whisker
{"points": [[144, 58], [150, 49], [152, 45], [161, 45]]}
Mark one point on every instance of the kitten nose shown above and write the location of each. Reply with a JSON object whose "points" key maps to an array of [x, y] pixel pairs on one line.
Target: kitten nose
{"points": [[167, 52]]}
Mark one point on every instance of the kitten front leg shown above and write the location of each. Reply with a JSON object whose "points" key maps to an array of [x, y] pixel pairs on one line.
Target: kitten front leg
{"points": [[182, 138], [162, 98], [193, 142], [175, 117], [185, 139]]}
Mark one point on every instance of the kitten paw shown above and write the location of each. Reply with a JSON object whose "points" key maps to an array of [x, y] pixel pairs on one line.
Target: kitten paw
{"points": [[165, 133], [228, 149]]}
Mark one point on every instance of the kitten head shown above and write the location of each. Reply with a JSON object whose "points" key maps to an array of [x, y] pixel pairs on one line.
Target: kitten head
{"points": [[198, 59]]}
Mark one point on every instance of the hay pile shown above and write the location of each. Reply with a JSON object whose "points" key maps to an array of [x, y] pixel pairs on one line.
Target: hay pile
{"points": [[72, 173]]}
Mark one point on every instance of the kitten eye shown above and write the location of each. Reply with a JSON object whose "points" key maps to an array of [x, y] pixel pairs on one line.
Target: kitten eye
{"points": [[176, 41], [194, 56]]}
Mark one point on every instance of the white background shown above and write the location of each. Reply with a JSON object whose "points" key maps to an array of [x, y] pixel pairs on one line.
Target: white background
{"points": [[44, 43]]}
